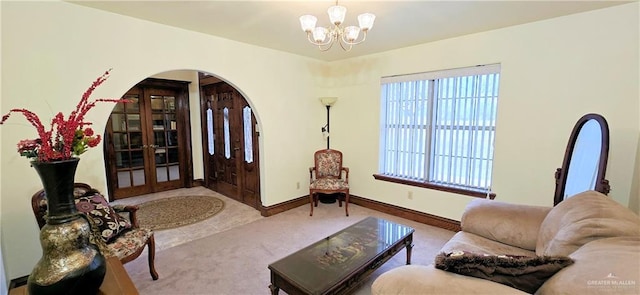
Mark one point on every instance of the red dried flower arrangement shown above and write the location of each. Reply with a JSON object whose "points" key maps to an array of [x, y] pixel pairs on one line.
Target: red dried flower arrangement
{"points": [[65, 138]]}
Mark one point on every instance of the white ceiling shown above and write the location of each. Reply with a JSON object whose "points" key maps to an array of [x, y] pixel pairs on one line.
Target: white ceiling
{"points": [[275, 24]]}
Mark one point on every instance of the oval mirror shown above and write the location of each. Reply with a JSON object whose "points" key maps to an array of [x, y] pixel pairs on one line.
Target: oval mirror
{"points": [[585, 160]]}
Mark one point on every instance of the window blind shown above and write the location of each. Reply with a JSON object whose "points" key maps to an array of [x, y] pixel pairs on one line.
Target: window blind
{"points": [[439, 127]]}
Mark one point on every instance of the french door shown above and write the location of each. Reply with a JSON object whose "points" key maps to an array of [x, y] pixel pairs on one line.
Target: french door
{"points": [[145, 144], [231, 144]]}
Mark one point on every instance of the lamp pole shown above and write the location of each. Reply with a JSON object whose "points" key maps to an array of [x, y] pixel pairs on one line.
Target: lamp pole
{"points": [[328, 134], [327, 102]]}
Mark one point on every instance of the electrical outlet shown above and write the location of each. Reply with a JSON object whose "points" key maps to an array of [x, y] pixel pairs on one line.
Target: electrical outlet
{"points": [[410, 195], [298, 185]]}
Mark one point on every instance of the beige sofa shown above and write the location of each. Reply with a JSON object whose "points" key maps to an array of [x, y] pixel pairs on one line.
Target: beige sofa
{"points": [[599, 234]]}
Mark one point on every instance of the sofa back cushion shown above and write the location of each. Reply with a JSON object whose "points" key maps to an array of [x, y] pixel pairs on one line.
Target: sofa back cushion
{"points": [[512, 224], [583, 218]]}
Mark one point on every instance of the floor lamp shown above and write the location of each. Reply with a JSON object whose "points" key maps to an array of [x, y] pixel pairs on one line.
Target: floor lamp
{"points": [[327, 102]]}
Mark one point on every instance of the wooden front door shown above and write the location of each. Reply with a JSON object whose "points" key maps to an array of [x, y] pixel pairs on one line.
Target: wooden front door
{"points": [[145, 144], [231, 144]]}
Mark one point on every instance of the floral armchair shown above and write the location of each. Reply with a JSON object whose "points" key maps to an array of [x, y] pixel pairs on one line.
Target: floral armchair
{"points": [[328, 178], [115, 228]]}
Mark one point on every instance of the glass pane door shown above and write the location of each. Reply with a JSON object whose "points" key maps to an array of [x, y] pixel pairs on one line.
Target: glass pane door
{"points": [[165, 138], [128, 142], [145, 140]]}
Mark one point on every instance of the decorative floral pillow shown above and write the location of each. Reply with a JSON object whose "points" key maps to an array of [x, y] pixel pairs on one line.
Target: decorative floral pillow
{"points": [[109, 223]]}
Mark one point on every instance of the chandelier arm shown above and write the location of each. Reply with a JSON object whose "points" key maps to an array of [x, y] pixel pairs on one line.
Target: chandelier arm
{"points": [[328, 43], [343, 43]]}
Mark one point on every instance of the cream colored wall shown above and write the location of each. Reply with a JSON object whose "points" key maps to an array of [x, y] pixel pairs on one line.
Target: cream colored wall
{"points": [[4, 282], [553, 72], [47, 67], [3, 277], [634, 196]]}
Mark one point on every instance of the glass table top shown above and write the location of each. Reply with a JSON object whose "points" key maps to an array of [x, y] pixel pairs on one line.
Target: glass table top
{"points": [[323, 264]]}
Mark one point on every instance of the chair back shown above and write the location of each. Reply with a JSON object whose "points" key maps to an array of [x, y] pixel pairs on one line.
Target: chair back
{"points": [[328, 163]]}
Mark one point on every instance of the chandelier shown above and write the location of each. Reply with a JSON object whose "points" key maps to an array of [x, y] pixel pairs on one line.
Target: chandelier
{"points": [[325, 37]]}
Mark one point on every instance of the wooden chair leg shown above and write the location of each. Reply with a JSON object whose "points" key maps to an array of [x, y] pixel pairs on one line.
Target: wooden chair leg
{"points": [[311, 202], [151, 247], [339, 198], [346, 203]]}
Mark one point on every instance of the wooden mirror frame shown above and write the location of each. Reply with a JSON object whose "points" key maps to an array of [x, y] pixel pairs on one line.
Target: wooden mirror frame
{"points": [[601, 184]]}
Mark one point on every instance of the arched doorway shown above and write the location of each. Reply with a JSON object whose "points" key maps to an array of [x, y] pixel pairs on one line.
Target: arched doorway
{"points": [[231, 138], [150, 145]]}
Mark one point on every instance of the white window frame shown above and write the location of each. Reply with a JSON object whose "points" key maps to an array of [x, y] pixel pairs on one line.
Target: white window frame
{"points": [[413, 148]]}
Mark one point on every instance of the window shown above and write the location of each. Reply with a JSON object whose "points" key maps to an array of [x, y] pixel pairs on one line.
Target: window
{"points": [[210, 136], [227, 136], [438, 128], [248, 134]]}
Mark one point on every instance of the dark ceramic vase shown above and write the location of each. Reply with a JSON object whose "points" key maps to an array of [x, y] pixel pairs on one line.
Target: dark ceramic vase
{"points": [[69, 263]]}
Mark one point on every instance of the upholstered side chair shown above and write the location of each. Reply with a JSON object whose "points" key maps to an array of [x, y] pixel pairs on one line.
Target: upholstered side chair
{"points": [[115, 228], [327, 177]]}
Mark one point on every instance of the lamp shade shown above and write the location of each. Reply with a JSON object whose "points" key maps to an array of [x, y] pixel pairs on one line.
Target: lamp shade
{"points": [[319, 34], [336, 14], [308, 22], [366, 20], [328, 101], [351, 33]]}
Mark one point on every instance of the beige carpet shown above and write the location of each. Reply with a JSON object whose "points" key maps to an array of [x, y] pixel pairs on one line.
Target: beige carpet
{"points": [[235, 261], [177, 211]]}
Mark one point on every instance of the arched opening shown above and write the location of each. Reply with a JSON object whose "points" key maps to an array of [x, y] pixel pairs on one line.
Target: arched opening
{"points": [[180, 129]]}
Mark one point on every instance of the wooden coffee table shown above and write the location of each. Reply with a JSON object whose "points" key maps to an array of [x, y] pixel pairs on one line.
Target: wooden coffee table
{"points": [[338, 263]]}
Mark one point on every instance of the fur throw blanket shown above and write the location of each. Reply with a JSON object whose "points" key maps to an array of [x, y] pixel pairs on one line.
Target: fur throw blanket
{"points": [[521, 272]]}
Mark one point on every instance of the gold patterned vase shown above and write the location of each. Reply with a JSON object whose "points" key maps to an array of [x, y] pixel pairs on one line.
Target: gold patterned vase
{"points": [[69, 263]]}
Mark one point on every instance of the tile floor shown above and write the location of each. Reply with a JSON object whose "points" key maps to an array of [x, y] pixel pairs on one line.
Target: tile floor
{"points": [[233, 214]]}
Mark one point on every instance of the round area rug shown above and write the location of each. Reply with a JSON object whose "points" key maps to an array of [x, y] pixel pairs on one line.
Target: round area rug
{"points": [[177, 211]]}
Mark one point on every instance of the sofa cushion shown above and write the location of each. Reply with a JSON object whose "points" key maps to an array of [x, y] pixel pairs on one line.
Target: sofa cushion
{"points": [[605, 266], [583, 218], [420, 279], [521, 272], [512, 224]]}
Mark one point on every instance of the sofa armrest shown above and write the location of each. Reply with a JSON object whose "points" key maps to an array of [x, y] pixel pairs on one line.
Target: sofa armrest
{"points": [[512, 224]]}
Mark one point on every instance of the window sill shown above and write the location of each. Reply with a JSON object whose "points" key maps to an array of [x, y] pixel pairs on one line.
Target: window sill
{"points": [[456, 190]]}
